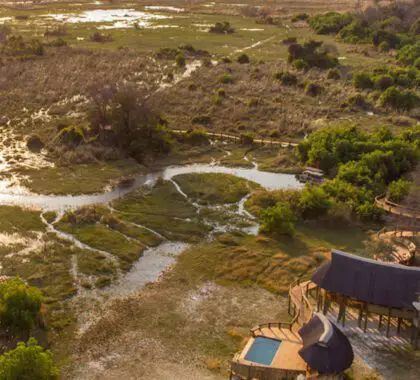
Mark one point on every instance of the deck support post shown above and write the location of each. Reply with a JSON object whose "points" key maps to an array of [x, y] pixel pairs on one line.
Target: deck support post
{"points": [[344, 315], [388, 323], [399, 325], [288, 303], [366, 317], [380, 322], [359, 319]]}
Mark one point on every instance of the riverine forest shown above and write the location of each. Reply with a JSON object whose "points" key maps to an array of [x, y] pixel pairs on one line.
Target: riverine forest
{"points": [[195, 189]]}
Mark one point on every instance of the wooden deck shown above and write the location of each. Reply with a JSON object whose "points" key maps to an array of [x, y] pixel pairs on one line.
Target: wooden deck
{"points": [[287, 356]]}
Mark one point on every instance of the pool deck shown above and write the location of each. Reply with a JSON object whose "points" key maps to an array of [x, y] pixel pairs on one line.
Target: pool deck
{"points": [[286, 357]]}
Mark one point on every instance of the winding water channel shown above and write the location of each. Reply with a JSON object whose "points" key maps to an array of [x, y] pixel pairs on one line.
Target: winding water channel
{"points": [[268, 180]]}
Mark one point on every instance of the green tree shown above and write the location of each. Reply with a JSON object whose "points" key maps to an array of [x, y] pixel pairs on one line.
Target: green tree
{"points": [[313, 202], [20, 304], [399, 189], [278, 220], [28, 362]]}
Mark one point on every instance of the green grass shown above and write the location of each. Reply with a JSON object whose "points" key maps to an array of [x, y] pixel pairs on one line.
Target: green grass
{"points": [[105, 239], [214, 188], [274, 159], [79, 179], [95, 264], [19, 220]]}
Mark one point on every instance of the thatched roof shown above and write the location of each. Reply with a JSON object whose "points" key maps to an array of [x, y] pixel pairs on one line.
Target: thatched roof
{"points": [[325, 348], [371, 281]]}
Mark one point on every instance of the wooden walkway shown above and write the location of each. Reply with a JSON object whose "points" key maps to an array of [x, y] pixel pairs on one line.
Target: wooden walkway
{"points": [[238, 139], [396, 209]]}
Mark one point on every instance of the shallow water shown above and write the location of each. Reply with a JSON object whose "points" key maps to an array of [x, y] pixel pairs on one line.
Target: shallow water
{"points": [[147, 269], [270, 181]]}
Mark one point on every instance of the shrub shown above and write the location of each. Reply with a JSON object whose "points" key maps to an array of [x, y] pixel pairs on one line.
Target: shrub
{"points": [[286, 78], [226, 78], [222, 28], [300, 17], [196, 137], [381, 36], [99, 37], [28, 361], [409, 54], [34, 143], [289, 41], [221, 92], [72, 135], [334, 74], [415, 27], [243, 58], [384, 46], [247, 139], [20, 305], [356, 32], [398, 190], [180, 60], [331, 22], [362, 81], [301, 65], [382, 82], [226, 60], [369, 212], [313, 202], [278, 220], [417, 63], [201, 119], [314, 53], [401, 100], [358, 100], [313, 89]]}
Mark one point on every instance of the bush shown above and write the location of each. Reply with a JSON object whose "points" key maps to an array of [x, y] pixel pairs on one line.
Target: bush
{"points": [[278, 220], [417, 63], [409, 54], [314, 53], [384, 46], [28, 361], [330, 23], [202, 119], [355, 33], [286, 78], [72, 136], [381, 36], [247, 139], [301, 65], [222, 28], [99, 37], [362, 81], [401, 100], [243, 58], [313, 89], [221, 92], [226, 79], [358, 100], [20, 305], [398, 190], [196, 137], [313, 202], [289, 41], [34, 143], [300, 17], [382, 82], [368, 212], [333, 74], [180, 60]]}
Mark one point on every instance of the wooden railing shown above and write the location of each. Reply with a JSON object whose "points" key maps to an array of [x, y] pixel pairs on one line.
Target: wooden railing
{"points": [[238, 138], [249, 371], [396, 209], [403, 234], [303, 311]]}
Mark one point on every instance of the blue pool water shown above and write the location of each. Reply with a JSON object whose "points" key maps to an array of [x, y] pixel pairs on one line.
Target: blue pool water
{"points": [[262, 350]]}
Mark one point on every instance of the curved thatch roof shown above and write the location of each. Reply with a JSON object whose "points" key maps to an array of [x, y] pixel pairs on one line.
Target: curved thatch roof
{"points": [[325, 348], [371, 281]]}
